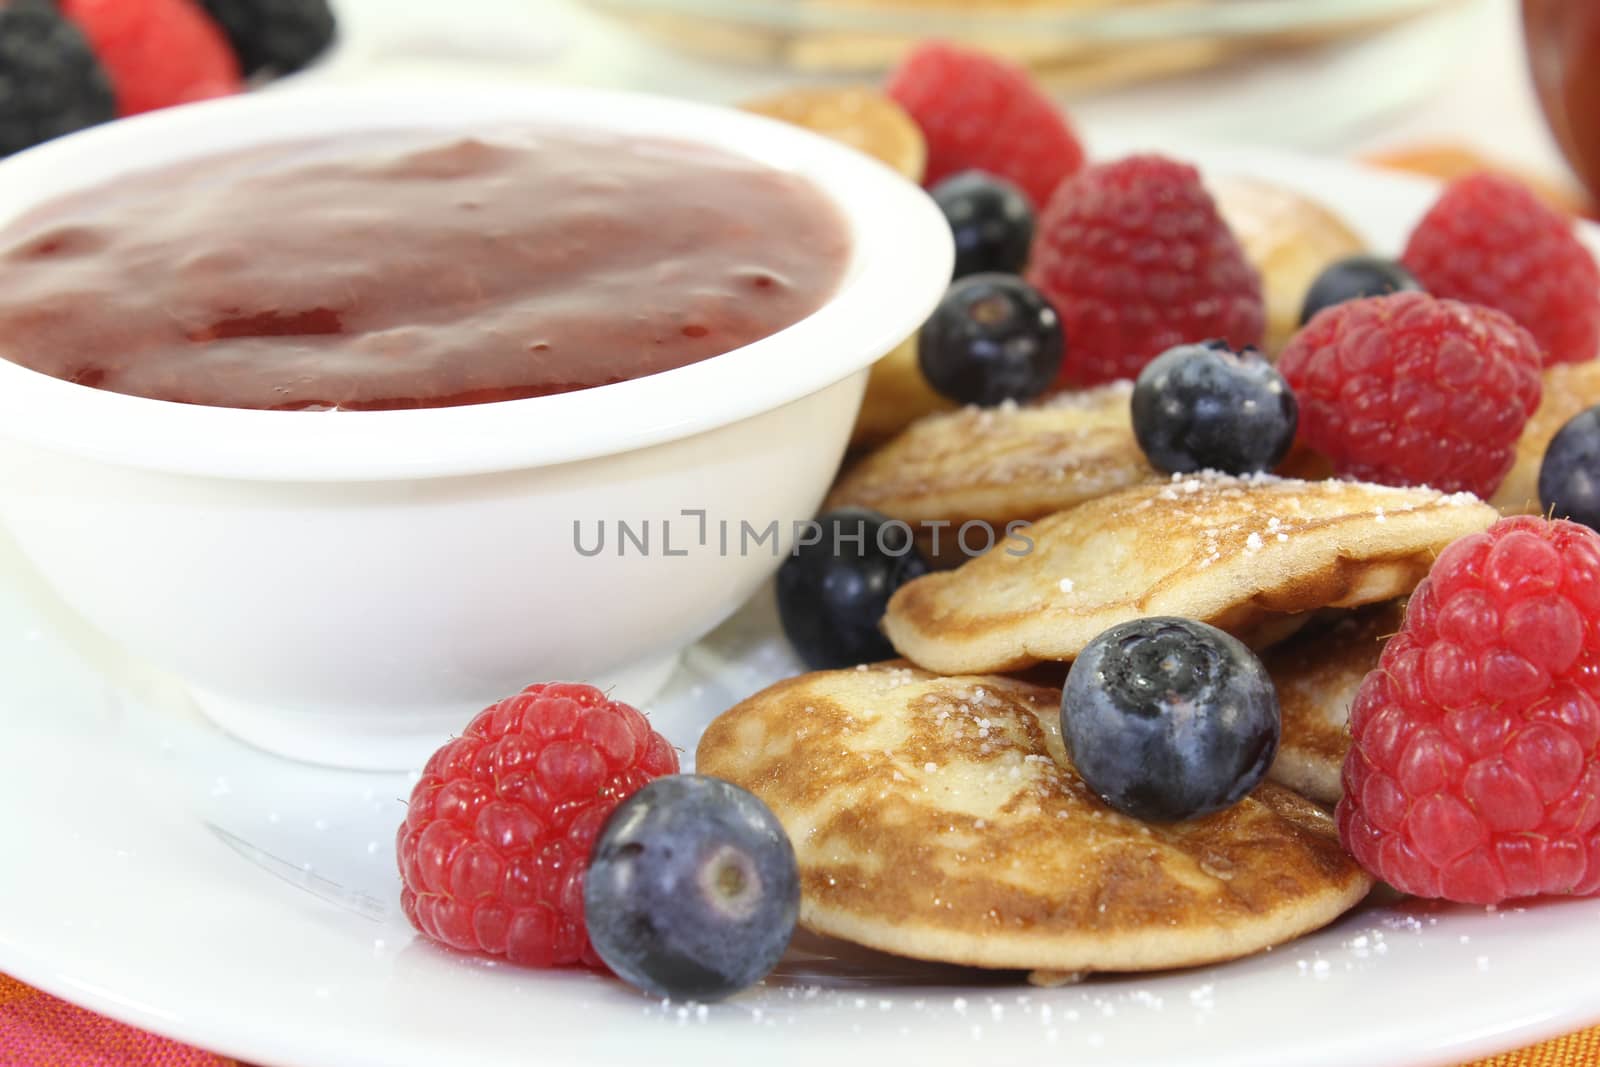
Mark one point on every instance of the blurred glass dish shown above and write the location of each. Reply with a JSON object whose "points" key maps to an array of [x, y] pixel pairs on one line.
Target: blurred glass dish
{"points": [[1069, 43]]}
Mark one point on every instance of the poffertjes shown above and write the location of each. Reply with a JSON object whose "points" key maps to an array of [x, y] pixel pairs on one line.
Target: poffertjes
{"points": [[1289, 238], [1238, 553], [1317, 673], [939, 818], [1001, 464]]}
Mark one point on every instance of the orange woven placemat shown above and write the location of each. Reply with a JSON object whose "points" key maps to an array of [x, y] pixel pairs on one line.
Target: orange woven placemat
{"points": [[37, 1030], [1577, 1050]]}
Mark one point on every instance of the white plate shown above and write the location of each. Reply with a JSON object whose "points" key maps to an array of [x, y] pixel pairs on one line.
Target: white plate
{"points": [[120, 890]]}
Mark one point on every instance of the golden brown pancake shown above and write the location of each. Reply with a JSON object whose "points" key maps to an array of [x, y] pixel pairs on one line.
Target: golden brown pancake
{"points": [[897, 395], [1317, 673], [1568, 389], [858, 116], [939, 818], [1004, 463], [1235, 552], [1289, 238]]}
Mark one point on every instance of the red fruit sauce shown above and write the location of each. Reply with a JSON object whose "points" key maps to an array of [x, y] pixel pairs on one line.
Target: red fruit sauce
{"points": [[402, 271]]}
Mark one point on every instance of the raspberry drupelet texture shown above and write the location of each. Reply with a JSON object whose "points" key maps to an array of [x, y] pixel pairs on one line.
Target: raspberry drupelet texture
{"points": [[499, 830], [1475, 768], [1408, 389], [1490, 240], [981, 113], [1136, 260]]}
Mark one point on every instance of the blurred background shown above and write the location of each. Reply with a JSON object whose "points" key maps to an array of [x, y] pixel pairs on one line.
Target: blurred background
{"points": [[1436, 85], [1441, 86]]}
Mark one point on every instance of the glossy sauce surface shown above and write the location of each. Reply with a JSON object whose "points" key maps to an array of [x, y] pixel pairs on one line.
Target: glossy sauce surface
{"points": [[414, 270]]}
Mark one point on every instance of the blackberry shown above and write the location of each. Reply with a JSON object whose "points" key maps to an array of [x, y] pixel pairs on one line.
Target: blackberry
{"points": [[50, 81], [274, 36]]}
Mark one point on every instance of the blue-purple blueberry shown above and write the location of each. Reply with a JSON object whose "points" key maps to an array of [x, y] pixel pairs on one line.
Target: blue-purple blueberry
{"points": [[991, 220], [992, 338], [1205, 407], [1168, 718], [836, 584], [1355, 278], [1569, 476], [693, 891]]}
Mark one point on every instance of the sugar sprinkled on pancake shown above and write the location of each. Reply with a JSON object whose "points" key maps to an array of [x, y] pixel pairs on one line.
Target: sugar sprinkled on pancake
{"points": [[939, 818], [1239, 553], [1004, 463]]}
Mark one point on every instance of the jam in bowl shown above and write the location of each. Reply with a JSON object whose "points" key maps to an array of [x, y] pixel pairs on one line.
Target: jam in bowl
{"points": [[319, 400], [417, 269]]}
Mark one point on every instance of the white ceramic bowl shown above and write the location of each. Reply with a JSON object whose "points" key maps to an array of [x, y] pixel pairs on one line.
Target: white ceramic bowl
{"points": [[349, 587]]}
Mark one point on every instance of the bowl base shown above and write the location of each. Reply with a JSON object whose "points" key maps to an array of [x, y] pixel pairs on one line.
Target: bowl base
{"points": [[401, 740]]}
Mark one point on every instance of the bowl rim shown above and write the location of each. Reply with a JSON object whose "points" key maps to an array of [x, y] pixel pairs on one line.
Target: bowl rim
{"points": [[899, 267]]}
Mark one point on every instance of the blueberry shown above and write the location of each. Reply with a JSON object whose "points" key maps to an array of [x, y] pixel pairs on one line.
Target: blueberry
{"points": [[1569, 477], [1169, 718], [991, 219], [1354, 278], [833, 589], [1204, 407], [692, 890], [992, 338]]}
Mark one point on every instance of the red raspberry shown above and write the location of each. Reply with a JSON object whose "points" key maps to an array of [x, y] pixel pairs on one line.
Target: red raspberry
{"points": [[1475, 769], [497, 838], [1137, 260], [979, 112], [157, 52], [1407, 389], [1490, 240]]}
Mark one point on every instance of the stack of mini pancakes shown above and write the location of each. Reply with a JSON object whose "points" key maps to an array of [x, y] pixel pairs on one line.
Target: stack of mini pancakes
{"points": [[933, 808]]}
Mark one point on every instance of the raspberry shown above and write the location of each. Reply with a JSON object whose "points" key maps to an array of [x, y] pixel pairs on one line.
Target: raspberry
{"points": [[497, 838], [981, 113], [1490, 240], [1137, 260], [50, 82], [1475, 768], [157, 52], [1408, 389]]}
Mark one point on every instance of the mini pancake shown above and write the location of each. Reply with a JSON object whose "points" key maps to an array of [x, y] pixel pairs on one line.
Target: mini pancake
{"points": [[1289, 238], [939, 818], [858, 116], [897, 395], [1239, 553], [996, 465], [1317, 673], [1568, 389]]}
